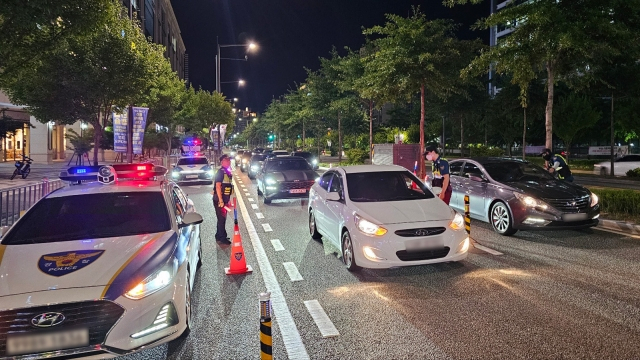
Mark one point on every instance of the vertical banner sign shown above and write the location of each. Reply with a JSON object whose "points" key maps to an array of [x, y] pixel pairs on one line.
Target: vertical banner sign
{"points": [[120, 122], [139, 124], [223, 131]]}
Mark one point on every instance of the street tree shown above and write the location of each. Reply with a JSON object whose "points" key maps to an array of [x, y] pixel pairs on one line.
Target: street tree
{"points": [[166, 102], [414, 55], [562, 38], [578, 114], [202, 109], [88, 77]]}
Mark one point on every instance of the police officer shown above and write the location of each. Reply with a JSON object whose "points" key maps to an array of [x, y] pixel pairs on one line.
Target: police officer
{"points": [[556, 163], [440, 172], [222, 191]]}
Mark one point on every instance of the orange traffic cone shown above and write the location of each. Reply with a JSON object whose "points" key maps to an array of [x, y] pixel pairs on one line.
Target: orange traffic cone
{"points": [[238, 263]]}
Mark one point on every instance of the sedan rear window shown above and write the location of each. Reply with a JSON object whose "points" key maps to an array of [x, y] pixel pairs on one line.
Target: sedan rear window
{"points": [[281, 165], [385, 186], [258, 157], [193, 161], [91, 216]]}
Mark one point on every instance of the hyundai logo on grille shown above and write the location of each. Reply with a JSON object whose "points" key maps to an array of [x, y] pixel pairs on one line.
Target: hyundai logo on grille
{"points": [[47, 319], [424, 232], [572, 203]]}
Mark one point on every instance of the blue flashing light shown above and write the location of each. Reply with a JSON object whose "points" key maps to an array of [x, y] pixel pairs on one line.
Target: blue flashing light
{"points": [[81, 171]]}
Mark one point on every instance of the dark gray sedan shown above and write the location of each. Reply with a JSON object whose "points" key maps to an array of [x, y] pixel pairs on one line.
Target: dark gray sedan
{"points": [[514, 195], [285, 177]]}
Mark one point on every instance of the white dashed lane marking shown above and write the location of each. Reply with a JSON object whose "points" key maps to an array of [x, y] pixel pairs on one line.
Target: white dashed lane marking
{"points": [[277, 245], [259, 215], [242, 186], [293, 272], [267, 227], [254, 206], [251, 200], [326, 327]]}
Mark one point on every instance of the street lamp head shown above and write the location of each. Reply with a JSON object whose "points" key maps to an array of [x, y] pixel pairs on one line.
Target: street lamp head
{"points": [[255, 119], [235, 99], [241, 82], [252, 46]]}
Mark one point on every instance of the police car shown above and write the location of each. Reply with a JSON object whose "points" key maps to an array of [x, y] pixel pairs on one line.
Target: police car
{"points": [[100, 268], [193, 167]]}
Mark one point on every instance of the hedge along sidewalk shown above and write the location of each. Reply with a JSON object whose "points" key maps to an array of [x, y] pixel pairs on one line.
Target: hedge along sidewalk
{"points": [[619, 203]]}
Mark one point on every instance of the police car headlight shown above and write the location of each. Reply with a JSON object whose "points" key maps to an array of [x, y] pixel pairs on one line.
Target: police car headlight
{"points": [[270, 181], [156, 281]]}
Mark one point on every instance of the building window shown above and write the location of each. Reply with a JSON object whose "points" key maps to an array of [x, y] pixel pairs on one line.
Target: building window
{"points": [[149, 15]]}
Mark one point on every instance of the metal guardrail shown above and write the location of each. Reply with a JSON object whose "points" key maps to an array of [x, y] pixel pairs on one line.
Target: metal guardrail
{"points": [[15, 200]]}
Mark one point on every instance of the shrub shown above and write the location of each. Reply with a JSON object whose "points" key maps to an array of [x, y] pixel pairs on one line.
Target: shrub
{"points": [[619, 201], [634, 172], [356, 156], [485, 151]]}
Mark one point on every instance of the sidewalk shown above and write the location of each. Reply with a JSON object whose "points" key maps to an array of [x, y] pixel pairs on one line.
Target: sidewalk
{"points": [[38, 172]]}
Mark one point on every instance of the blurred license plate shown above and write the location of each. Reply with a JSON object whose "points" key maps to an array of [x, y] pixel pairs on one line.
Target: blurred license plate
{"points": [[29, 344], [191, 177], [297, 191], [574, 217], [425, 244]]}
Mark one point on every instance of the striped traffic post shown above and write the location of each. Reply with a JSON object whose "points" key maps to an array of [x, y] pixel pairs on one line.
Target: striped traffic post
{"points": [[467, 216], [265, 327]]}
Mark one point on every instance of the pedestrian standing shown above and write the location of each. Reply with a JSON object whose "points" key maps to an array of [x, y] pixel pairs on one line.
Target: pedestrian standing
{"points": [[440, 173], [222, 191]]}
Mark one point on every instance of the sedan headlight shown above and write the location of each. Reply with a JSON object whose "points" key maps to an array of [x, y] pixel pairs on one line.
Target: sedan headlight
{"points": [[176, 172], [254, 167], [529, 201], [369, 228], [244, 161], [457, 222], [237, 158], [594, 199], [314, 161], [154, 282], [270, 181]]}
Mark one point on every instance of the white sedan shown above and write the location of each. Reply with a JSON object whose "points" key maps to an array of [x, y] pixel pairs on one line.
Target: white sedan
{"points": [[377, 219], [621, 165]]}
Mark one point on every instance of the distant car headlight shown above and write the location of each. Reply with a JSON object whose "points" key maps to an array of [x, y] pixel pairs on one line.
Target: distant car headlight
{"points": [[314, 161], [457, 223], [156, 281], [270, 181], [529, 201], [210, 172], [369, 228], [237, 158], [254, 167], [244, 161], [594, 199], [232, 154]]}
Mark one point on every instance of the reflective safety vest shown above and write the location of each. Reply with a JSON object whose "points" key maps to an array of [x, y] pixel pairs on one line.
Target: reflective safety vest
{"points": [[563, 170], [226, 185]]}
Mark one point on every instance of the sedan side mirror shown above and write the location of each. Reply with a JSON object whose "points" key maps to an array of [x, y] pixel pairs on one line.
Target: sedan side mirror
{"points": [[333, 196], [190, 219]]}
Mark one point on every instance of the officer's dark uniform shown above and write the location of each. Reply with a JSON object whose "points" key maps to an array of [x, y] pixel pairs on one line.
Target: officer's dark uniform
{"points": [[225, 178], [439, 168], [562, 168]]}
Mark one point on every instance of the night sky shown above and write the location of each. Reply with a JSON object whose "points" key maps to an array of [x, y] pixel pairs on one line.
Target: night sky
{"points": [[291, 34]]}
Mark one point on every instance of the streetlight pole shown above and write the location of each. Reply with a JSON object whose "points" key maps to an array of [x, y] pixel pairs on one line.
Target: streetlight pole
{"points": [[218, 58]]}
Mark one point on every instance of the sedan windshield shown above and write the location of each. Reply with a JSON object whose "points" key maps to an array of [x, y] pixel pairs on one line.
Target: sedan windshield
{"points": [[306, 155], [91, 216], [385, 186], [516, 171], [290, 164], [193, 161]]}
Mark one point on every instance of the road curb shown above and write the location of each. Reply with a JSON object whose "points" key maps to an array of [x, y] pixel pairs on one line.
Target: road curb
{"points": [[620, 226]]}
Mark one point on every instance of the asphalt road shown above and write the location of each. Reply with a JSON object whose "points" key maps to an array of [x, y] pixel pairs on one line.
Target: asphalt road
{"points": [[551, 295]]}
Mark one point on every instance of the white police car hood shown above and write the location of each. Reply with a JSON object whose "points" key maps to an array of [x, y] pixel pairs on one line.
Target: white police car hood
{"points": [[109, 266]]}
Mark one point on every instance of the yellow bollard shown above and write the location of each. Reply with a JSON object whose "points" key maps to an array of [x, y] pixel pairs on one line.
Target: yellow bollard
{"points": [[467, 216], [265, 327]]}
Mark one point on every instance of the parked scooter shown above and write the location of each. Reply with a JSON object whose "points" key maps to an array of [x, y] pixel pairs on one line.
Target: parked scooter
{"points": [[23, 167]]}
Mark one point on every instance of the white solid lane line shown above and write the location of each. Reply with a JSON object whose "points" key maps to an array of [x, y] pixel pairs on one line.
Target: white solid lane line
{"points": [[266, 227], [290, 335], [254, 206], [486, 249], [277, 245], [259, 216], [326, 327], [293, 272]]}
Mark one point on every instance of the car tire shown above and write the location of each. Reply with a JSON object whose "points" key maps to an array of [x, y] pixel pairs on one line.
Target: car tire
{"points": [[266, 200], [603, 171], [313, 230], [348, 256], [501, 220]]}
